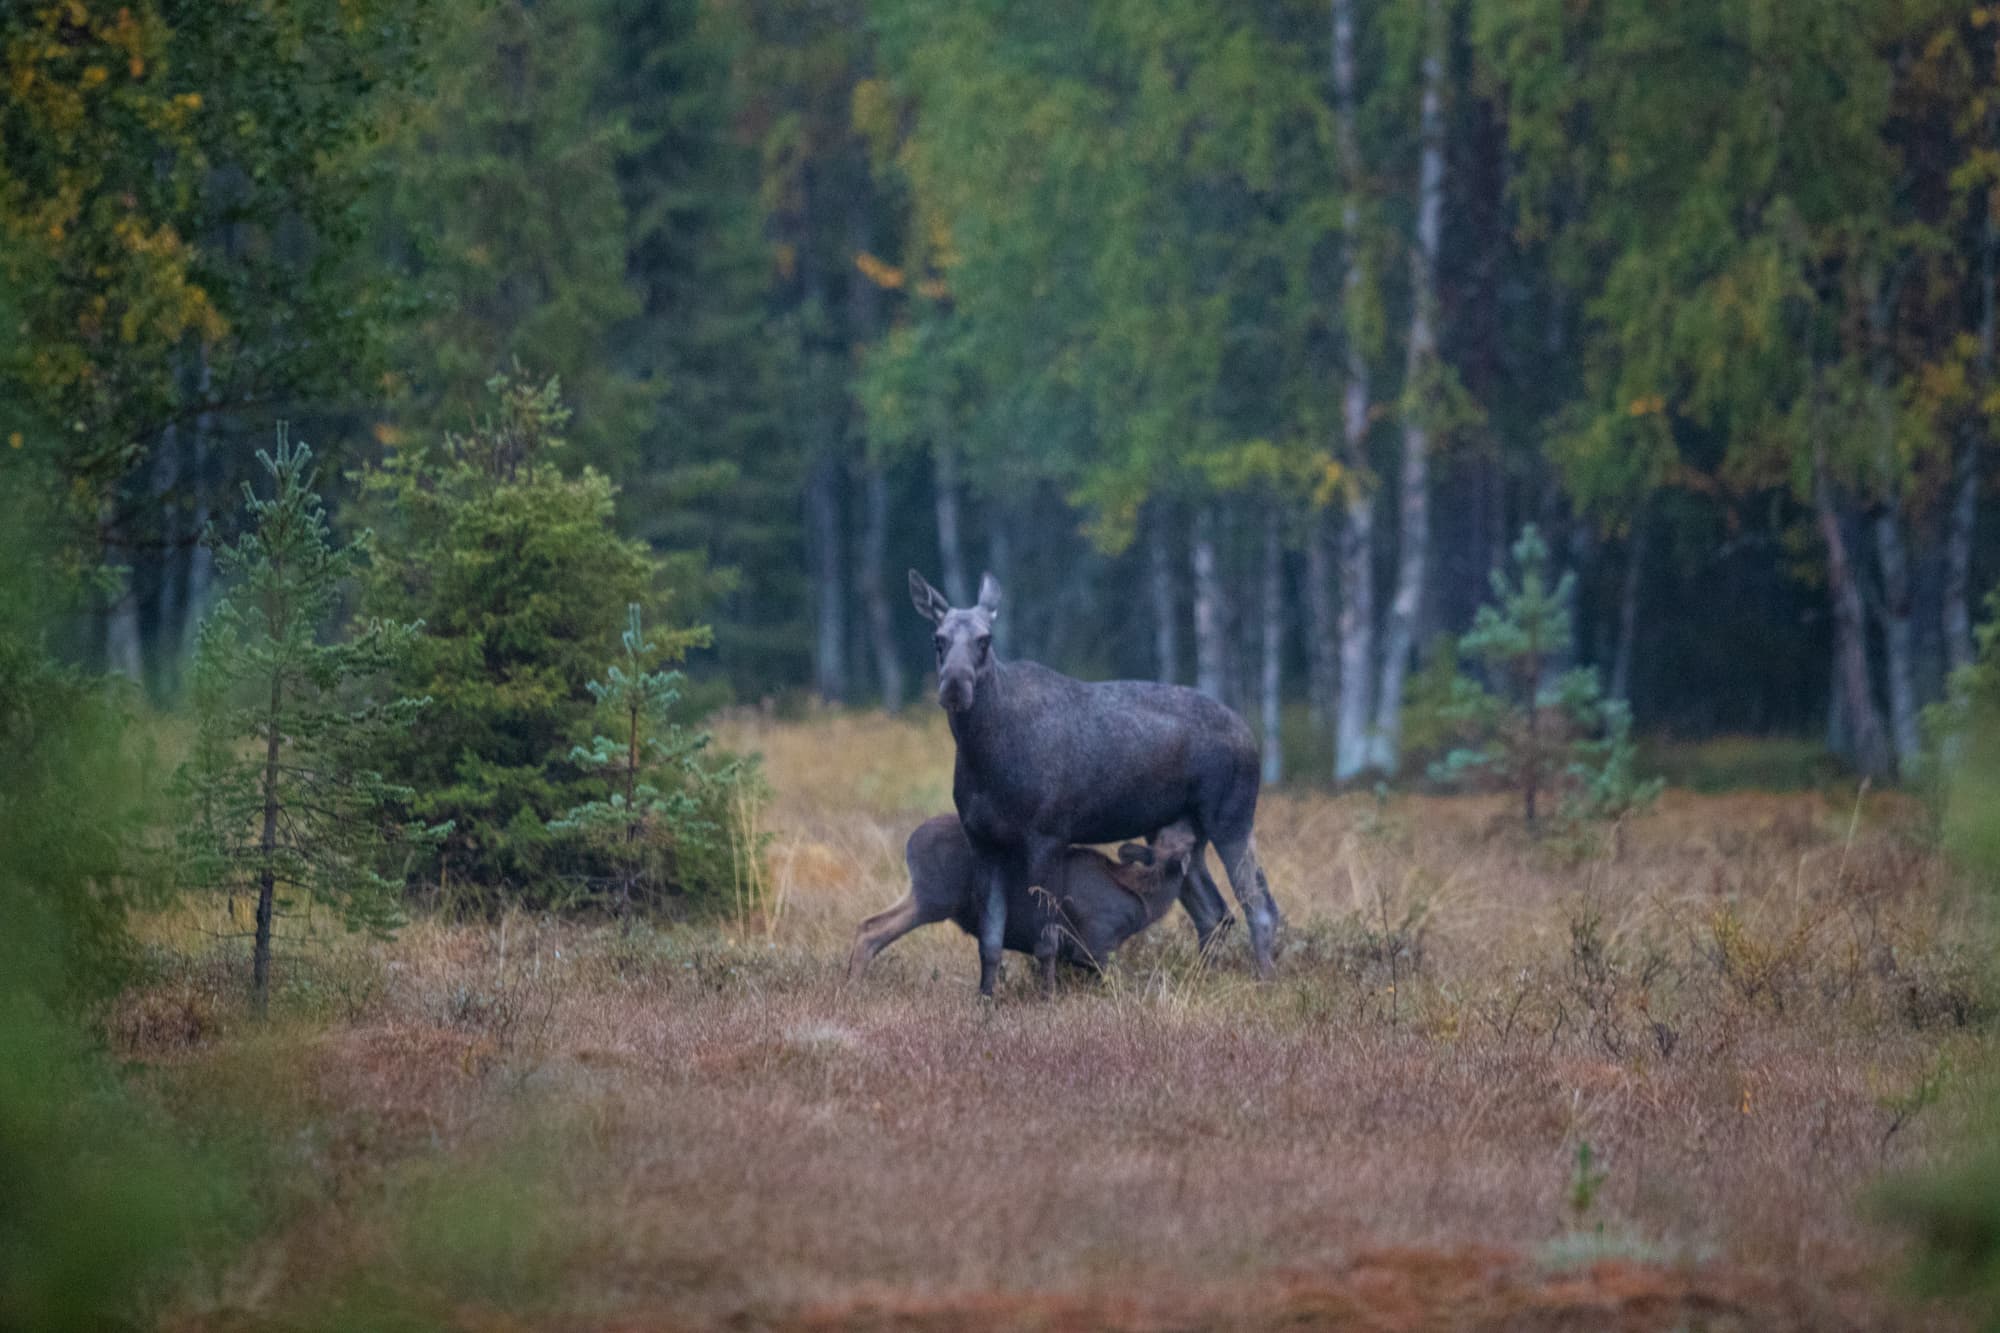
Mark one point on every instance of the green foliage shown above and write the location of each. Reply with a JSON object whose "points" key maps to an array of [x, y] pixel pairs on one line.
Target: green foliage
{"points": [[71, 862], [300, 816], [666, 824], [1954, 1214], [1429, 715], [520, 577], [506, 199], [177, 177], [1525, 731], [1133, 308], [715, 464], [95, 1207]]}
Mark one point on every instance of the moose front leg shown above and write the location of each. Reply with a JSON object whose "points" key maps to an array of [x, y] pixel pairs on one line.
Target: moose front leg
{"points": [[992, 922]]}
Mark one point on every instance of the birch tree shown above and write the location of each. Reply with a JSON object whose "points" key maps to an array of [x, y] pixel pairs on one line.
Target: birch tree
{"points": [[1422, 395]]}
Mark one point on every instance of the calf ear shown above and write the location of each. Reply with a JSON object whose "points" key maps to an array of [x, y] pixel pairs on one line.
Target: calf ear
{"points": [[989, 595], [930, 603], [1136, 854]]}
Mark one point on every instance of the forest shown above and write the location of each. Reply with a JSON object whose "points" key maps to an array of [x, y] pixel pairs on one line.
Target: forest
{"points": [[466, 471], [1238, 342]]}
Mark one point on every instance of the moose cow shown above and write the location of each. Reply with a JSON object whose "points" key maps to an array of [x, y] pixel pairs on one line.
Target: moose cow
{"points": [[1103, 902], [1045, 761]]}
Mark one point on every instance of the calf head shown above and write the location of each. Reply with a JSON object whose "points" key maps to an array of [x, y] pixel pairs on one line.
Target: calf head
{"points": [[1170, 857], [963, 639]]}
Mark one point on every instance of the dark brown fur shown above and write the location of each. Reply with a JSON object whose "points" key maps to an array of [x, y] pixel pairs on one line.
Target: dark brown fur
{"points": [[1103, 902]]}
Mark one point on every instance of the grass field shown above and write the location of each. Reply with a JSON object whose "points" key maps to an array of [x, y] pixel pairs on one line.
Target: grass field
{"points": [[1642, 1080]]}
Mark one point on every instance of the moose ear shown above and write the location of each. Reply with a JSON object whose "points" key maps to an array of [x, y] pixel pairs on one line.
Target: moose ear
{"points": [[989, 595], [1136, 854], [930, 603]]}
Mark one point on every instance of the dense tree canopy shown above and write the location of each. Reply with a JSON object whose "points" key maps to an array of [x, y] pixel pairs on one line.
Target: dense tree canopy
{"points": [[1236, 339]]}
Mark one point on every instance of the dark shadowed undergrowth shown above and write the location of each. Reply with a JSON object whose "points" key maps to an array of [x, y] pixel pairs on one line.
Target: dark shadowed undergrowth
{"points": [[1645, 1083]]}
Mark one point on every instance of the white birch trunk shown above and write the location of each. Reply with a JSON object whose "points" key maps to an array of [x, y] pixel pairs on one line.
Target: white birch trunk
{"points": [[1165, 597], [1962, 525], [1628, 610], [1210, 631], [1323, 646], [1891, 556], [1854, 694], [1898, 635], [1357, 536], [1274, 647], [123, 654], [1000, 564], [1964, 519], [830, 620], [881, 629], [951, 548], [1400, 626]]}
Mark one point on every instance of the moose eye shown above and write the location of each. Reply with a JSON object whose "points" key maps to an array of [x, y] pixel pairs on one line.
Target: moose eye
{"points": [[985, 642], [940, 642]]}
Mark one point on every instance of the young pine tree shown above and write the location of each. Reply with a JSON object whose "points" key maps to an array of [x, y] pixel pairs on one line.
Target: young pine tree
{"points": [[1528, 733], [299, 815], [662, 826], [519, 575]]}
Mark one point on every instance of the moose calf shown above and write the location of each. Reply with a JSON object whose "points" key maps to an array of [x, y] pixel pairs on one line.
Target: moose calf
{"points": [[1096, 905]]}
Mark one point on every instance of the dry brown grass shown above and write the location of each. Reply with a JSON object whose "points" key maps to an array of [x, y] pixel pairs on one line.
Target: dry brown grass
{"points": [[1743, 1004]]}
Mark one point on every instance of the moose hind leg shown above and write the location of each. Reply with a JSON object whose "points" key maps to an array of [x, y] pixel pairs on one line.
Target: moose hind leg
{"points": [[1246, 877], [1202, 901]]}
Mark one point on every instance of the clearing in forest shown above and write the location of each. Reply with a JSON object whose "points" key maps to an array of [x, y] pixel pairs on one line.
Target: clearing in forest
{"points": [[1643, 1079]]}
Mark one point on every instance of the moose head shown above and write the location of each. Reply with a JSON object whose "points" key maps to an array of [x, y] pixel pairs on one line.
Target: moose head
{"points": [[963, 639]]}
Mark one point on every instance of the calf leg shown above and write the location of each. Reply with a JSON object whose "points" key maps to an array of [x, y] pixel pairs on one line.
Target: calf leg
{"points": [[1246, 877], [1047, 945], [883, 929], [1048, 873]]}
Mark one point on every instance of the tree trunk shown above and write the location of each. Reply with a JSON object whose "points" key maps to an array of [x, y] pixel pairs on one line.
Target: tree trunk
{"points": [[1963, 523], [1000, 564], [830, 627], [1324, 646], [1413, 536], [1166, 599], [167, 631], [951, 548], [1628, 609], [1855, 694], [124, 654], [874, 548], [1964, 519], [1898, 633], [1210, 647], [1891, 556], [201, 558], [1357, 537], [267, 847], [1532, 777], [1274, 647]]}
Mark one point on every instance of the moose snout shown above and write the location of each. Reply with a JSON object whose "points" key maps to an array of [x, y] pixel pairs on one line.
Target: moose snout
{"points": [[955, 692]]}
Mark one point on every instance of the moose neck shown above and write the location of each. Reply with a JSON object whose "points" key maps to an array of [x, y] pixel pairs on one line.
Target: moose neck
{"points": [[980, 728]]}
